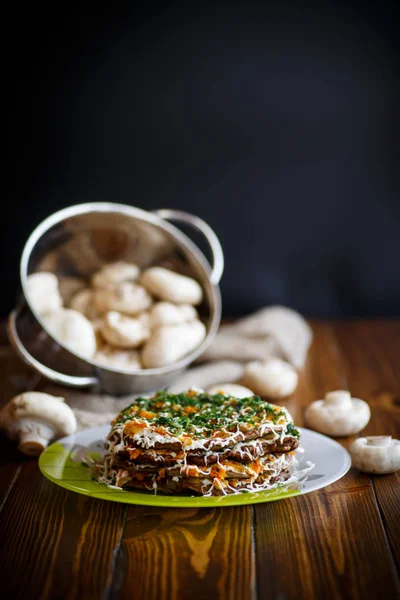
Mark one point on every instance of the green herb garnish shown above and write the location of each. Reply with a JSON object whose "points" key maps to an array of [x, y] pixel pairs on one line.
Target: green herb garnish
{"points": [[196, 414], [291, 430]]}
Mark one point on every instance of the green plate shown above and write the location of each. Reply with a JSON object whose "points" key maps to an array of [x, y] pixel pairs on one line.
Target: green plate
{"points": [[60, 463]]}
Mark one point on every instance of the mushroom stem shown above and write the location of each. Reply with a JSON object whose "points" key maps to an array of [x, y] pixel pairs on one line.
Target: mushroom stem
{"points": [[34, 437], [381, 441], [338, 398]]}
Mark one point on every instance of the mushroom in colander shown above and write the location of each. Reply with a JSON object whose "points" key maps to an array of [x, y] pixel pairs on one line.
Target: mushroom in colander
{"points": [[116, 272]]}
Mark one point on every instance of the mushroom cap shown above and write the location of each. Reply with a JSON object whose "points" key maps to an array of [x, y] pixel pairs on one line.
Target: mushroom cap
{"points": [[82, 302], [115, 273], [73, 330], [272, 378], [172, 287], [166, 313], [37, 406], [118, 358], [170, 343], [230, 389], [43, 292], [123, 331], [338, 414], [376, 454], [126, 297]]}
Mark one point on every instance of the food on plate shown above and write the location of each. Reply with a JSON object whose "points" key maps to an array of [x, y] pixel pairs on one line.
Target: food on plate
{"points": [[199, 443], [43, 292], [272, 378], [338, 414], [72, 329], [172, 287], [378, 454], [34, 419]]}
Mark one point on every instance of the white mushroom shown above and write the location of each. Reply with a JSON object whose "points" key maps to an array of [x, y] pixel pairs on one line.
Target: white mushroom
{"points": [[144, 319], [72, 329], [166, 313], [118, 358], [125, 297], [124, 332], [169, 344], [338, 415], [33, 419], [376, 454], [83, 303], [43, 292], [230, 389], [116, 272], [170, 286], [272, 378]]}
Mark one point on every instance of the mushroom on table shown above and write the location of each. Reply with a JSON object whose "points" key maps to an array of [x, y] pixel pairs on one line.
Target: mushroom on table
{"points": [[378, 454], [33, 419], [338, 414]]}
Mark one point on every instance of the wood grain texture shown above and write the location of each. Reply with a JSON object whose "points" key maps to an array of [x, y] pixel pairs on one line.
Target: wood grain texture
{"points": [[340, 542], [372, 352], [55, 544], [387, 490], [186, 553], [325, 532], [14, 377], [318, 546]]}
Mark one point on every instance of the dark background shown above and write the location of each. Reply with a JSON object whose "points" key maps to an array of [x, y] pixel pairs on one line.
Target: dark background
{"points": [[278, 124]]}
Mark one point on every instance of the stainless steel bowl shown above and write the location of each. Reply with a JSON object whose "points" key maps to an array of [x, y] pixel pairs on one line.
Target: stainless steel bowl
{"points": [[77, 241]]}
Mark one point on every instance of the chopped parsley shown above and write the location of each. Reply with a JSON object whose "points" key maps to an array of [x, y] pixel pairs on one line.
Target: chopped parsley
{"points": [[196, 414], [291, 430]]}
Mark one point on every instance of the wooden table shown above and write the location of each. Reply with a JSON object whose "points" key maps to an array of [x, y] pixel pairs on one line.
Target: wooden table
{"points": [[339, 542]]}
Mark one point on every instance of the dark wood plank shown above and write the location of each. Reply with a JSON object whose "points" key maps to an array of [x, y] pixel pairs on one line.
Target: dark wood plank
{"points": [[370, 376], [387, 489], [10, 468], [186, 553], [55, 544], [317, 546], [15, 377], [371, 355], [386, 335]]}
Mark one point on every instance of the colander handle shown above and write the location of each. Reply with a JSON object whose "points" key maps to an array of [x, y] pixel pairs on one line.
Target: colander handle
{"points": [[197, 223], [61, 378]]}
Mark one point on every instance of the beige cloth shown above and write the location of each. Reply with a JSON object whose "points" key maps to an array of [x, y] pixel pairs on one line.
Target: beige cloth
{"points": [[271, 332]]}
